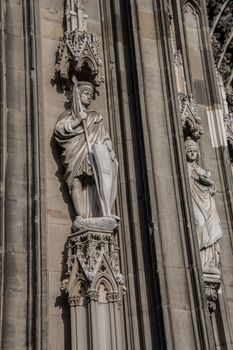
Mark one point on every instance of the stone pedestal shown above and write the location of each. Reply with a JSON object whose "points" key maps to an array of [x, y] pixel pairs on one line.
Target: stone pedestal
{"points": [[95, 287], [212, 285]]}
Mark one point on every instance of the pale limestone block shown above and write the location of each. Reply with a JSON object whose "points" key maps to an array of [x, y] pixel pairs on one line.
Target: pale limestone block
{"points": [[178, 293], [183, 329], [173, 248], [146, 23]]}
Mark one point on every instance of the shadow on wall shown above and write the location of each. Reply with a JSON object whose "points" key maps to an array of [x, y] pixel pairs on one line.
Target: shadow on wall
{"points": [[62, 299], [56, 152], [62, 302]]}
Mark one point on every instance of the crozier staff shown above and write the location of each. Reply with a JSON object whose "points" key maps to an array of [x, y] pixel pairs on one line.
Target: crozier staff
{"points": [[71, 132]]}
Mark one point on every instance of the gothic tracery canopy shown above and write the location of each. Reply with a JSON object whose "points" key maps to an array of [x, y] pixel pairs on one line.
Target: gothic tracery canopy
{"points": [[221, 31]]}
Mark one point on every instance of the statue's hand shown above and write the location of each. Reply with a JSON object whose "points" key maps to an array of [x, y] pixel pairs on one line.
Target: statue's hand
{"points": [[108, 143], [112, 155], [82, 115], [206, 181], [213, 190]]}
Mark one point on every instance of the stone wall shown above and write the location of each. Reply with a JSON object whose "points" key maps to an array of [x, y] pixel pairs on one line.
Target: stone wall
{"points": [[165, 306]]}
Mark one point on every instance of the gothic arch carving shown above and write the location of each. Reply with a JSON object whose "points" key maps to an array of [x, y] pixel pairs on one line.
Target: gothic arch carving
{"points": [[190, 119], [77, 292], [107, 280], [194, 5], [221, 33], [78, 286]]}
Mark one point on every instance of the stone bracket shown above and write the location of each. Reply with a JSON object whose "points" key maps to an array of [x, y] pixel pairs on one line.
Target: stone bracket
{"points": [[212, 285], [93, 265], [189, 115]]}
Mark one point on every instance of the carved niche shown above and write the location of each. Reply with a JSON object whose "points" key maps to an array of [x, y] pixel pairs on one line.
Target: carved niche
{"points": [[202, 188]]}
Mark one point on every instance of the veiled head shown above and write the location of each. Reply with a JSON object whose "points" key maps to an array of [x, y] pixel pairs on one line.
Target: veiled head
{"points": [[192, 150], [86, 90]]}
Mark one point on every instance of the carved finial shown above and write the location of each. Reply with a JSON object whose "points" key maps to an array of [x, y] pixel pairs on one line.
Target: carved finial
{"points": [[76, 19], [79, 4], [78, 51], [189, 116]]}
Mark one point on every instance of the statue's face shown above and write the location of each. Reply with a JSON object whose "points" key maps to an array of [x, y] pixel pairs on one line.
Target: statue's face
{"points": [[192, 154], [86, 97]]}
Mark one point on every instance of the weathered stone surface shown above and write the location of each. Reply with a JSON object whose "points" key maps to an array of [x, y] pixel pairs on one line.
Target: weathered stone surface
{"points": [[102, 223], [165, 306]]}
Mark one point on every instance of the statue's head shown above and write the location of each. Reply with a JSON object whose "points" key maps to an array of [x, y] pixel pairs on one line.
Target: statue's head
{"points": [[192, 150], [86, 90]]}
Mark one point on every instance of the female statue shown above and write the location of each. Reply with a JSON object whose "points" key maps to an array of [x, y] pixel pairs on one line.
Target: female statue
{"points": [[207, 221]]}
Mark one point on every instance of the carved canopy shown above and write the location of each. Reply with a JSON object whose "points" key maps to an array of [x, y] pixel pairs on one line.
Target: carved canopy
{"points": [[78, 50]]}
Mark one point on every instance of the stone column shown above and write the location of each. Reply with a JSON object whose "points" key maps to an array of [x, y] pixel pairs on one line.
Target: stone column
{"points": [[95, 289]]}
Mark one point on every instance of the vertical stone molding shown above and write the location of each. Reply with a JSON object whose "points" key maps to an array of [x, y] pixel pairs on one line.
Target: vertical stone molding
{"points": [[23, 274], [221, 35], [190, 119], [202, 188], [207, 222], [95, 289]]}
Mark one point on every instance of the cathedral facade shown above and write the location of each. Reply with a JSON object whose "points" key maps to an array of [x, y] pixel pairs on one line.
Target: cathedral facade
{"points": [[116, 168]]}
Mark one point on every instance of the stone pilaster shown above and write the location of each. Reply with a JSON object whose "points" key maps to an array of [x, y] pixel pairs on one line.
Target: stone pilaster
{"points": [[95, 289]]}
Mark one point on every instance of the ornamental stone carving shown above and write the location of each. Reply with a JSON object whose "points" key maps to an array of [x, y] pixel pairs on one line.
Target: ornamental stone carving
{"points": [[227, 108], [212, 286], [190, 118], [78, 51], [228, 120], [93, 261], [208, 226]]}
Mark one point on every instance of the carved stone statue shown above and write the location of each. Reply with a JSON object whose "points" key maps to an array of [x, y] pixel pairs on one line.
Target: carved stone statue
{"points": [[206, 217], [87, 155]]}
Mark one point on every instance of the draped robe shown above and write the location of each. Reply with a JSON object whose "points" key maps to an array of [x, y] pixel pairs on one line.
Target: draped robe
{"points": [[206, 217], [75, 156], [73, 143]]}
